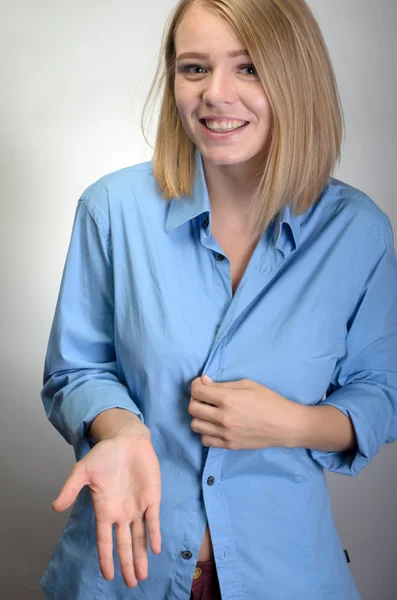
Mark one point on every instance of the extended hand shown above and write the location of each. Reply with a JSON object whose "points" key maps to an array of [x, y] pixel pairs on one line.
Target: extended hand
{"points": [[244, 415], [123, 475]]}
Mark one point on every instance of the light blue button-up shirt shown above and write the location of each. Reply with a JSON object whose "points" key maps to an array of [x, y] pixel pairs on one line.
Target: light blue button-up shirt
{"points": [[146, 306]]}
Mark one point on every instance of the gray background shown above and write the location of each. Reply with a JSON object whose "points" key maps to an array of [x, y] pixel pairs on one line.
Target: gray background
{"points": [[73, 79]]}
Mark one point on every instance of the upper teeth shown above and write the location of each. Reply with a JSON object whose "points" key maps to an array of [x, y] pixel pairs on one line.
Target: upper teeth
{"points": [[212, 124]]}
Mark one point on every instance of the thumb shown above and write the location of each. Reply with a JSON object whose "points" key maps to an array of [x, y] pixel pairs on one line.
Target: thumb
{"points": [[70, 489], [206, 379]]}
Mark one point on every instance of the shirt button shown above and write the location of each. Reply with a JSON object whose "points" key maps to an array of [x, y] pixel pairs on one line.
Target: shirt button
{"points": [[219, 256], [197, 573], [187, 554], [206, 222], [211, 480]]}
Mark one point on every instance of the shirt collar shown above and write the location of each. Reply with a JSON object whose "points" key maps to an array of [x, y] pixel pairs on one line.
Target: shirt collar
{"points": [[293, 229], [186, 208]]}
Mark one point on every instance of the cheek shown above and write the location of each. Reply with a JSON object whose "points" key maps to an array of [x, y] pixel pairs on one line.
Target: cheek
{"points": [[184, 119], [182, 94], [182, 101], [263, 109], [185, 108], [260, 106]]}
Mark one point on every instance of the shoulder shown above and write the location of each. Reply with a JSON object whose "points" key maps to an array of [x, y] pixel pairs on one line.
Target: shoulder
{"points": [[355, 201], [354, 212], [119, 189]]}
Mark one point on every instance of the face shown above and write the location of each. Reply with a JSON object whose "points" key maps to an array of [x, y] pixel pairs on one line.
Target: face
{"points": [[220, 87]]}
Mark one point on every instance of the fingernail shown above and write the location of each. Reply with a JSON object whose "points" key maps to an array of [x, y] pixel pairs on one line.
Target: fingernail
{"points": [[207, 379]]}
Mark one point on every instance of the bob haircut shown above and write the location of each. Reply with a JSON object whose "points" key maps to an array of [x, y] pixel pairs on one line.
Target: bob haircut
{"points": [[292, 62]]}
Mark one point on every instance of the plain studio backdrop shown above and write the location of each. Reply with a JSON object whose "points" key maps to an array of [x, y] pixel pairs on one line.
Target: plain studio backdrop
{"points": [[74, 76]]}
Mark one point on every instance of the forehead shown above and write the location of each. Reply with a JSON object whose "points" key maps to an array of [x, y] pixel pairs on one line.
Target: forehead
{"points": [[201, 29]]}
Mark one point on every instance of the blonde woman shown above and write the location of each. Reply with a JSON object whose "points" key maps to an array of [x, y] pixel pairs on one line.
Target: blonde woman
{"points": [[233, 253]]}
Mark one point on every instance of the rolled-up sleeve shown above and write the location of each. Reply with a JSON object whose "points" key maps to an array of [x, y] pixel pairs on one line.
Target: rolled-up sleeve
{"points": [[364, 383], [80, 377]]}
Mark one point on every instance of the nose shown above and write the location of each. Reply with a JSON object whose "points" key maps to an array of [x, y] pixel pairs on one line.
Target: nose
{"points": [[219, 88]]}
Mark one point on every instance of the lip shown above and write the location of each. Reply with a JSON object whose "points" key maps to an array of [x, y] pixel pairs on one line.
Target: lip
{"points": [[221, 118], [223, 135]]}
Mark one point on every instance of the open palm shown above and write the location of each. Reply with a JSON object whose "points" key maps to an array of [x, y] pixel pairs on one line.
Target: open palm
{"points": [[123, 475]]}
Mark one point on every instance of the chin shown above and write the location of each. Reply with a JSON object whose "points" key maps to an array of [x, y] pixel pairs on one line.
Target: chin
{"points": [[224, 157]]}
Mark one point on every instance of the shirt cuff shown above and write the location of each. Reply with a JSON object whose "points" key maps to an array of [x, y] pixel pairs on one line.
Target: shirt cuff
{"points": [[370, 409]]}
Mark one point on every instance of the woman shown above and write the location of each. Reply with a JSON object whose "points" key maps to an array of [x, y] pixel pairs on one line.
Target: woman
{"points": [[233, 253]]}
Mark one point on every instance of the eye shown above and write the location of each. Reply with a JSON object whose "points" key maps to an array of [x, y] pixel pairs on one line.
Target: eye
{"points": [[188, 69], [192, 69], [250, 66]]}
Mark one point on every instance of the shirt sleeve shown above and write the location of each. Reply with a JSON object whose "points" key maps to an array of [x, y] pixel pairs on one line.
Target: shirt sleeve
{"points": [[80, 377], [364, 383]]}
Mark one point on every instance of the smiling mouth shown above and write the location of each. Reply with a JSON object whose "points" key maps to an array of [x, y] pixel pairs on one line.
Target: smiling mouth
{"points": [[223, 130]]}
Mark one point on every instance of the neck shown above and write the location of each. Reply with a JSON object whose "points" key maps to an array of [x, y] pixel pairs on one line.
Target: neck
{"points": [[231, 189]]}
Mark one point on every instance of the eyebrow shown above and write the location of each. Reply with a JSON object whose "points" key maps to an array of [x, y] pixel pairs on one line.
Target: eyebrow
{"points": [[232, 54]]}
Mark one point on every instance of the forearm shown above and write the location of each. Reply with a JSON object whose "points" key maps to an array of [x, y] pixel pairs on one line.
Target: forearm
{"points": [[324, 428], [114, 422]]}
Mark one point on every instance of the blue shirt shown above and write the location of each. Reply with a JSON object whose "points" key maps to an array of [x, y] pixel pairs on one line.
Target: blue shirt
{"points": [[146, 306]]}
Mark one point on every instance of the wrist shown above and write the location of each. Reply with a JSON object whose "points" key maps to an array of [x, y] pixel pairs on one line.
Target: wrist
{"points": [[323, 428], [133, 429], [116, 422], [301, 420]]}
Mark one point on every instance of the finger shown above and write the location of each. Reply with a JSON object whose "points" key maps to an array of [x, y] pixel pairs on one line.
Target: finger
{"points": [[105, 549], [124, 551], [206, 428], [139, 543], [71, 488], [209, 393], [205, 412], [198, 385], [152, 518], [212, 441]]}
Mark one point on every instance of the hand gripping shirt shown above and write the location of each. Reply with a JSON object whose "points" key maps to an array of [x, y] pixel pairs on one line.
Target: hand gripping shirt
{"points": [[145, 306]]}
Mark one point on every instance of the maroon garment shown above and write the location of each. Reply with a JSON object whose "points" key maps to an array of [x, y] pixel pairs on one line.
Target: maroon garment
{"points": [[205, 584]]}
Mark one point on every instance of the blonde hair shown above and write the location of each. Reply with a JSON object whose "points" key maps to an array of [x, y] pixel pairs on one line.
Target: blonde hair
{"points": [[291, 59]]}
